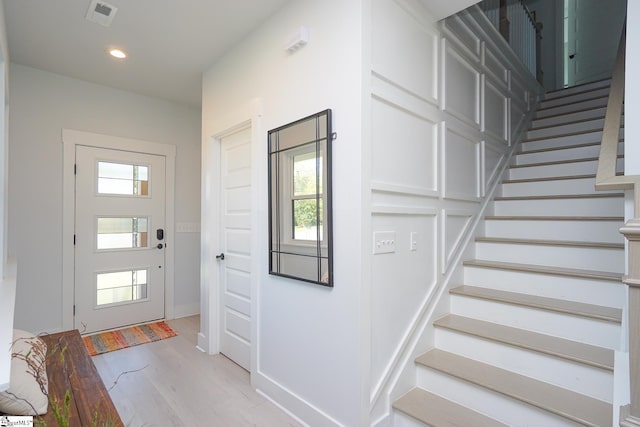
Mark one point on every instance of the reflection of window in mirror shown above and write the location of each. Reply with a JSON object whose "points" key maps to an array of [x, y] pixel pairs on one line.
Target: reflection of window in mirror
{"points": [[306, 199], [300, 200]]}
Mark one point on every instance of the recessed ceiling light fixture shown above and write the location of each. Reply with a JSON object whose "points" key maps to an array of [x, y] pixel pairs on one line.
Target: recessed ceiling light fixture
{"points": [[117, 53]]}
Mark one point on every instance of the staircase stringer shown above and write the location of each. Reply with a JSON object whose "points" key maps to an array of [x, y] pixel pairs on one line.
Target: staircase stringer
{"points": [[402, 362]]}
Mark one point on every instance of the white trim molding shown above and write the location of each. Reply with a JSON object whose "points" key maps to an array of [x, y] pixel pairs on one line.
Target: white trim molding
{"points": [[247, 116]]}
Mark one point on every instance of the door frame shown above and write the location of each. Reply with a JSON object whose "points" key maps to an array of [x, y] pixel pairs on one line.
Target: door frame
{"points": [[247, 116], [72, 138]]}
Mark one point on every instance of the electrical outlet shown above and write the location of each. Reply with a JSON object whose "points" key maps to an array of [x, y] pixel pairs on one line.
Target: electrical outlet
{"points": [[384, 242]]}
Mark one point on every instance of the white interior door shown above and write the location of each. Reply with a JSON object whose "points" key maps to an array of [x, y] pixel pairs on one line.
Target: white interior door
{"points": [[119, 238], [592, 33], [235, 237]]}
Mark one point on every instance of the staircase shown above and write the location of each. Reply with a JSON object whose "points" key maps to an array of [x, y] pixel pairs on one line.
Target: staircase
{"points": [[531, 333]]}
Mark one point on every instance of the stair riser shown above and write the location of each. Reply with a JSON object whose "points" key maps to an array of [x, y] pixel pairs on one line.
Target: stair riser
{"points": [[563, 186], [595, 124], [576, 328], [562, 169], [566, 154], [576, 98], [577, 89], [580, 231], [588, 291], [569, 108], [568, 207], [402, 420], [495, 405], [556, 256], [588, 380]]}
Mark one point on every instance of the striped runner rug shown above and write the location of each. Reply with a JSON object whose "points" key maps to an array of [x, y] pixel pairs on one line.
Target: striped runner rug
{"points": [[104, 342]]}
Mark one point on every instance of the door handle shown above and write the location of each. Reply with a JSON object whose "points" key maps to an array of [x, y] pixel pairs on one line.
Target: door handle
{"points": [[573, 55], [160, 246], [220, 257]]}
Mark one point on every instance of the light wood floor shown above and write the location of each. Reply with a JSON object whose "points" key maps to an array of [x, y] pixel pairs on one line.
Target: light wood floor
{"points": [[177, 385]]}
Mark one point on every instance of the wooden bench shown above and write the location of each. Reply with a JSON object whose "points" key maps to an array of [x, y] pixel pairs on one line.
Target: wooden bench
{"points": [[69, 367]]}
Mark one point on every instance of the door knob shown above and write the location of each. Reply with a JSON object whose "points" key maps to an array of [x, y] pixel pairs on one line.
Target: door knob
{"points": [[160, 246], [220, 257]]}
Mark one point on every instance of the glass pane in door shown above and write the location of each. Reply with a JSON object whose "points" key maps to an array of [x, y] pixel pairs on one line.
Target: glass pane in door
{"points": [[123, 179], [121, 286], [122, 233]]}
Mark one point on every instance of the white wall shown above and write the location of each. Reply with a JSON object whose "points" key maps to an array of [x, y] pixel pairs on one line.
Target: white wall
{"points": [[308, 336], [7, 275], [4, 132], [447, 100], [42, 104], [632, 91]]}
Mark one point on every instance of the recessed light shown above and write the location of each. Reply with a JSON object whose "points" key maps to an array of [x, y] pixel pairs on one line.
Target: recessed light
{"points": [[117, 53]]}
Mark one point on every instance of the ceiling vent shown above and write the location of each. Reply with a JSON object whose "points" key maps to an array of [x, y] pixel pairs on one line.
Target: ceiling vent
{"points": [[101, 13]]}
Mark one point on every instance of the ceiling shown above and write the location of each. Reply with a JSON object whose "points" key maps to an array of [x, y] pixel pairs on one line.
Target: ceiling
{"points": [[169, 42]]}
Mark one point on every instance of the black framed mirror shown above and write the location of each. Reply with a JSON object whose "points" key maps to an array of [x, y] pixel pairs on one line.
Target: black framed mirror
{"points": [[300, 218]]}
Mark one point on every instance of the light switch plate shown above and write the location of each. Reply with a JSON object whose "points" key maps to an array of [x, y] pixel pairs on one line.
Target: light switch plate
{"points": [[384, 242], [413, 241]]}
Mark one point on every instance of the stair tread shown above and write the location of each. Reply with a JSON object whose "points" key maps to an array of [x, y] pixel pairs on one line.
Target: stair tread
{"points": [[571, 405], [552, 218], [560, 162], [437, 411], [563, 147], [609, 314], [571, 350], [582, 110], [548, 178], [561, 196], [541, 242], [561, 135], [543, 269]]}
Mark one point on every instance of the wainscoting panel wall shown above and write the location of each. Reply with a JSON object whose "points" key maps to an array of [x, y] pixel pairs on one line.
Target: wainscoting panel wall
{"points": [[492, 156], [455, 223], [396, 131], [444, 108], [461, 88], [495, 68], [461, 166], [421, 79], [495, 111]]}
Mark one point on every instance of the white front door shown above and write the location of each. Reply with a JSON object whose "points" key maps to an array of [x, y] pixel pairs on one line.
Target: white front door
{"points": [[119, 238], [235, 237]]}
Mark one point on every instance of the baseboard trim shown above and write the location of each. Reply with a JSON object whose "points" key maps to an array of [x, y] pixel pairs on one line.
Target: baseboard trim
{"points": [[203, 343], [186, 310], [297, 407]]}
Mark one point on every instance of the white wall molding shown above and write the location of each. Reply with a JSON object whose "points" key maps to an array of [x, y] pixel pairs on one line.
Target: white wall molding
{"points": [[383, 187], [450, 246], [457, 32], [460, 77], [247, 115], [295, 405], [480, 114], [387, 90]]}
